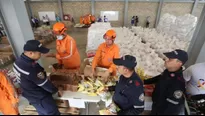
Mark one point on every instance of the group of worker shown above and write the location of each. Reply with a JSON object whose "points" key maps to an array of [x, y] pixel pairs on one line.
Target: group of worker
{"points": [[168, 95], [135, 21], [87, 19]]}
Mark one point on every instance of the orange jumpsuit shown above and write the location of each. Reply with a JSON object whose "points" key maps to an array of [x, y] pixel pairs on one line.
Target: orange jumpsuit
{"points": [[67, 53], [104, 57], [81, 20], [7, 97], [93, 18]]}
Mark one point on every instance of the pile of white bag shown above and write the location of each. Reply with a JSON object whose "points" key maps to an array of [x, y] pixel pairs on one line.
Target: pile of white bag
{"points": [[182, 27], [159, 41], [95, 35], [147, 59]]}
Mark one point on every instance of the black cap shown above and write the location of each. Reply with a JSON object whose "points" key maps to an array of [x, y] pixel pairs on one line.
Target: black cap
{"points": [[35, 46], [177, 54], [126, 61]]}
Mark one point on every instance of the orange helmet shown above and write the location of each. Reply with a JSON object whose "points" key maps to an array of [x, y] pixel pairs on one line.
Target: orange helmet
{"points": [[59, 28], [110, 33]]}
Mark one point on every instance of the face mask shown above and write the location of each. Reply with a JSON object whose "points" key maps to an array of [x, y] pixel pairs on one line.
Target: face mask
{"points": [[59, 37]]}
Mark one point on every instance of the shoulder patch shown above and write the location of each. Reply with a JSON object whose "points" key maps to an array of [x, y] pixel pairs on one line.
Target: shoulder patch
{"points": [[137, 83], [41, 75], [178, 94], [141, 98]]}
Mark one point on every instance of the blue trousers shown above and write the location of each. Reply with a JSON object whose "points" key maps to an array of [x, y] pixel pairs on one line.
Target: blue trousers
{"points": [[47, 107]]}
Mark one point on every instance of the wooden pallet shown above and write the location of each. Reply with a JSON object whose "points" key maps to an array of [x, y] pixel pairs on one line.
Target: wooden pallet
{"points": [[30, 110]]}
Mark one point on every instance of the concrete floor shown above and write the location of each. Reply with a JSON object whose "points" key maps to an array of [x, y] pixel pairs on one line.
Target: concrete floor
{"points": [[80, 35]]}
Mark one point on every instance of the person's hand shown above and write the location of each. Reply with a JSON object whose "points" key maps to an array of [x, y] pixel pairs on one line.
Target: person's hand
{"points": [[110, 113], [106, 75], [93, 73], [60, 93], [105, 89]]}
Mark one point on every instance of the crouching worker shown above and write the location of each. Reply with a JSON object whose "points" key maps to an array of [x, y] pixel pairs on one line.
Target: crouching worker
{"points": [[105, 54]]}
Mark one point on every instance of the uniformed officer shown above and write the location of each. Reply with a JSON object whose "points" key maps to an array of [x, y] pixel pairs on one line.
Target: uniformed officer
{"points": [[170, 85], [129, 92], [36, 87]]}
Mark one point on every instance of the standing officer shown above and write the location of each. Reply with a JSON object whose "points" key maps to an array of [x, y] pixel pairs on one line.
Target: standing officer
{"points": [[36, 87], [129, 92], [170, 85]]}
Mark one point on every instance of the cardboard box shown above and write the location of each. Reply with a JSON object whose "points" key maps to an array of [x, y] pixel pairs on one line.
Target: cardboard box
{"points": [[4, 40], [99, 71], [5, 48]]}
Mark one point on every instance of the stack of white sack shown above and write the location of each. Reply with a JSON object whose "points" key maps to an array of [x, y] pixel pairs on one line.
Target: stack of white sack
{"points": [[159, 41], [182, 27], [147, 59]]}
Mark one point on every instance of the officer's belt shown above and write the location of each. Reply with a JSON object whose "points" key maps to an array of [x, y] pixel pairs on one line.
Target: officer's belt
{"points": [[139, 106]]}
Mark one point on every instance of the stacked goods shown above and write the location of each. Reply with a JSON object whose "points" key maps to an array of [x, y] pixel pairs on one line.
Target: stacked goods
{"points": [[4, 40], [182, 27], [95, 35], [147, 59], [44, 34], [6, 58], [65, 81], [94, 87], [5, 48], [160, 42]]}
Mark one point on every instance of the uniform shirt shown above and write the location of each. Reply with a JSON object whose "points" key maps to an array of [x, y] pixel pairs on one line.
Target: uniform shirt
{"points": [[67, 53], [104, 57], [195, 76], [168, 93], [33, 80], [129, 95]]}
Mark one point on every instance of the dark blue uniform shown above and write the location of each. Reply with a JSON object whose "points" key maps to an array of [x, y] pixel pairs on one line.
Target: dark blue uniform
{"points": [[36, 88], [168, 93], [129, 95]]}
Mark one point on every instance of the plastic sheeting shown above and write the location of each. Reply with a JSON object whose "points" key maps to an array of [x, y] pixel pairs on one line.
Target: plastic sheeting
{"points": [[181, 27]]}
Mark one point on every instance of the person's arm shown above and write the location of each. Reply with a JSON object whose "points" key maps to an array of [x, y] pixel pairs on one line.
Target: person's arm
{"points": [[96, 58], [152, 80], [113, 66], [112, 88], [42, 81], [187, 74]]}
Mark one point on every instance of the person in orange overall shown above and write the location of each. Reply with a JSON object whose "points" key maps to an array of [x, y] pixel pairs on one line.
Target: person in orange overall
{"points": [[81, 20], [8, 97], [105, 54], [67, 52], [92, 17]]}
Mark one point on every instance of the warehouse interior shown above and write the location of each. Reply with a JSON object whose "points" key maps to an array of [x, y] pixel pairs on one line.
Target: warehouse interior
{"points": [[162, 26]]}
